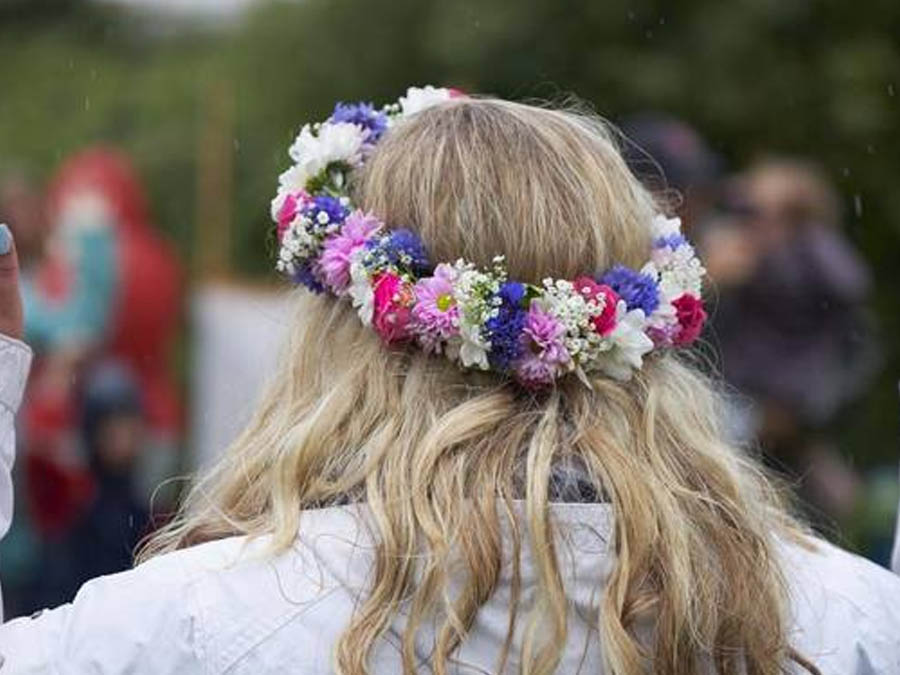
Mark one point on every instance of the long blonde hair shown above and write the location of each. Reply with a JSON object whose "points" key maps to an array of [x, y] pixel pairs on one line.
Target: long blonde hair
{"points": [[438, 455]]}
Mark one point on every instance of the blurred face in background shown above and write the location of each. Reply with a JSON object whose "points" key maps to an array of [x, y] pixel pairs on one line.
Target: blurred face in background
{"points": [[770, 206], [780, 199], [119, 442]]}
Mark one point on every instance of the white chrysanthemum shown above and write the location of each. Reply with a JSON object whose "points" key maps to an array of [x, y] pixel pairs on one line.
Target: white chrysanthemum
{"points": [[360, 291], [341, 142], [305, 145], [663, 226], [419, 98], [473, 348], [630, 344], [312, 152], [293, 179]]}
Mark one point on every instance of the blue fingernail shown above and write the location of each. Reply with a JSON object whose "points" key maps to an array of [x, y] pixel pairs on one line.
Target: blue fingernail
{"points": [[5, 239]]}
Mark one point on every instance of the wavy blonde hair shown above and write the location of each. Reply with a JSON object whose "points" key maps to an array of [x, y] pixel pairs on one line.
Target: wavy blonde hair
{"points": [[439, 455]]}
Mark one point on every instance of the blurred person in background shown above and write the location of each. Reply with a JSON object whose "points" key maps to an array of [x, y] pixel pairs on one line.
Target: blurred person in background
{"points": [[144, 308], [107, 287], [104, 536], [792, 323]]}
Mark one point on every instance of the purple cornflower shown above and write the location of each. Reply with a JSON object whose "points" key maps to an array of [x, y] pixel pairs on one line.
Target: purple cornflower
{"points": [[639, 291], [362, 115], [505, 329], [672, 241], [330, 206], [305, 275], [403, 248]]}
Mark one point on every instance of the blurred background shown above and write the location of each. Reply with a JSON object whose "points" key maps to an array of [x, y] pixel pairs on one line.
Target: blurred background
{"points": [[140, 142]]}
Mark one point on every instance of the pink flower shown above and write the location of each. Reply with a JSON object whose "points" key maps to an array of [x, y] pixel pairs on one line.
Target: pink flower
{"points": [[393, 299], [664, 335], [435, 316], [606, 297], [337, 250], [545, 353], [288, 210], [533, 373], [691, 317]]}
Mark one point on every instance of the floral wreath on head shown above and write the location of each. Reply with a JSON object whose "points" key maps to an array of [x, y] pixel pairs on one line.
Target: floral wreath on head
{"points": [[479, 318]]}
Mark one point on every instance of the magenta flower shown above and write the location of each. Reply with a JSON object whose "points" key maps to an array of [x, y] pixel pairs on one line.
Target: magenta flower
{"points": [[288, 210], [435, 316], [604, 296], [691, 317], [337, 250], [393, 299]]}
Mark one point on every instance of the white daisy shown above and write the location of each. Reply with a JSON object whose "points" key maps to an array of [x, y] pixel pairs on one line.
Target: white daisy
{"points": [[473, 349], [360, 290], [630, 344], [663, 226]]}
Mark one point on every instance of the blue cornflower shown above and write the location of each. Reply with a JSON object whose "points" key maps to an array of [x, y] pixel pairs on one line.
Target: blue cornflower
{"points": [[639, 291], [505, 329], [673, 241], [305, 275], [363, 115], [403, 248], [331, 206]]}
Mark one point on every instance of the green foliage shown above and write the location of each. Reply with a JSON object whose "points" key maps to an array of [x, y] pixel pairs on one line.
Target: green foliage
{"points": [[796, 76]]}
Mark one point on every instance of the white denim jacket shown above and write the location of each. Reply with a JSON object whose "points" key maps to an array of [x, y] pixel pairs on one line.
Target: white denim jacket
{"points": [[225, 607]]}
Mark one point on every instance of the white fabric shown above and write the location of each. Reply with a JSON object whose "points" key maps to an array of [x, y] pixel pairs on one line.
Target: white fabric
{"points": [[226, 607]]}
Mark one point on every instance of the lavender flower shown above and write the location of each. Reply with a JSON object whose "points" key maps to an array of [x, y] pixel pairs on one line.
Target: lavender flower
{"points": [[639, 291], [362, 115]]}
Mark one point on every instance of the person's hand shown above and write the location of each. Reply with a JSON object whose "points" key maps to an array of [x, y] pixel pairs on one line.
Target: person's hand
{"points": [[11, 320]]}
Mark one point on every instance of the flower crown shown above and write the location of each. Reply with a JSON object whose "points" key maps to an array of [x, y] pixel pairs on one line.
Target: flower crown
{"points": [[479, 318]]}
